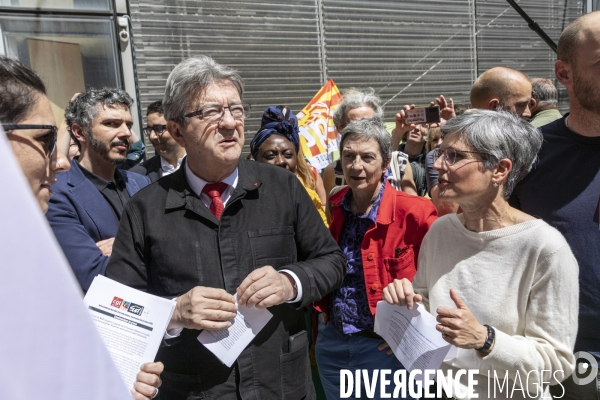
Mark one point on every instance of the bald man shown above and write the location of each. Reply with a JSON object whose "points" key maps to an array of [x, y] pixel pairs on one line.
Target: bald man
{"points": [[505, 88], [564, 188]]}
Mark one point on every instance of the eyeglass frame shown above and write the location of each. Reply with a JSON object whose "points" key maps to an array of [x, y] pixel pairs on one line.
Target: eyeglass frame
{"points": [[53, 128], [149, 129], [437, 153], [201, 110]]}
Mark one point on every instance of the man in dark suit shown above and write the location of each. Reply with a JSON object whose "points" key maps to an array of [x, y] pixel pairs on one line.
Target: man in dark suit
{"points": [[221, 226], [88, 200], [169, 154]]}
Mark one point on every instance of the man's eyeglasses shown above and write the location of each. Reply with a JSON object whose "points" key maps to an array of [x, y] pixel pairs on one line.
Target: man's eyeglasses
{"points": [[452, 156], [48, 141], [158, 129], [215, 113]]}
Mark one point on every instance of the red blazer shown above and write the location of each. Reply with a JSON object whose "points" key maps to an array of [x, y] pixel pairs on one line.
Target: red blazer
{"points": [[390, 247]]}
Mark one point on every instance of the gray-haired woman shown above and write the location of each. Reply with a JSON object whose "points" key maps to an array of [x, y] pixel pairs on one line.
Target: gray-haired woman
{"points": [[502, 284], [380, 230], [359, 104]]}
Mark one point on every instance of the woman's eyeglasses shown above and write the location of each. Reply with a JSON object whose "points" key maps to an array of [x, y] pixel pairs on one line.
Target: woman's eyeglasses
{"points": [[48, 141], [451, 156]]}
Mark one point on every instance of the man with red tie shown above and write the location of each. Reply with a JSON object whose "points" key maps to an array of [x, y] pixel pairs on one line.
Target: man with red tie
{"points": [[218, 227]]}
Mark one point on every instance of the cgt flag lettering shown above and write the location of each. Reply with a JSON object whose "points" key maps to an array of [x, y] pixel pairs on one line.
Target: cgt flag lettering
{"points": [[318, 136]]}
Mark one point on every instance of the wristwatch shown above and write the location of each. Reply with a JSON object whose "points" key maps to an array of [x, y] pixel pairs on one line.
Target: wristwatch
{"points": [[491, 335]]}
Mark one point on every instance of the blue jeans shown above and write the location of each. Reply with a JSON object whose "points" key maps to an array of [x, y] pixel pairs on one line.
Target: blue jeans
{"points": [[336, 351]]}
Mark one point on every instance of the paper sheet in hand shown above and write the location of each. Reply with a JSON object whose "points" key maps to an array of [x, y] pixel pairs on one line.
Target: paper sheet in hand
{"points": [[412, 336], [131, 323], [228, 344]]}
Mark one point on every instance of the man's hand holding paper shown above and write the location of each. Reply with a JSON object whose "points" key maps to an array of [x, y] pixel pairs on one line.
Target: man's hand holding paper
{"points": [[204, 308], [227, 344], [266, 287]]}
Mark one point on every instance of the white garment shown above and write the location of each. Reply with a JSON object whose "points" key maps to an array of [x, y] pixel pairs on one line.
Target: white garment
{"points": [[166, 168], [522, 280]]}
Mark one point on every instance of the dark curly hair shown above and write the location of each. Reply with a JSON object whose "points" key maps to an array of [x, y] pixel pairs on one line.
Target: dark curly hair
{"points": [[19, 87], [84, 108]]}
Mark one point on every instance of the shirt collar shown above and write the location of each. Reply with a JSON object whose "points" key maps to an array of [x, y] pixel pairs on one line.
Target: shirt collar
{"points": [[197, 183], [99, 182], [167, 167], [372, 215]]}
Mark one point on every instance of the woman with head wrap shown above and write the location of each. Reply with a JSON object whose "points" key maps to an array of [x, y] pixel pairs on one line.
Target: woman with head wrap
{"points": [[277, 142]]}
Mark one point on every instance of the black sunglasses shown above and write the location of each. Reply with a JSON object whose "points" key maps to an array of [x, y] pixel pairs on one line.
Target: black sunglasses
{"points": [[48, 141], [158, 129]]}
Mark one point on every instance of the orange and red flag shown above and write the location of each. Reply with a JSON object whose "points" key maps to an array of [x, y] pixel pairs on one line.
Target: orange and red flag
{"points": [[318, 136]]}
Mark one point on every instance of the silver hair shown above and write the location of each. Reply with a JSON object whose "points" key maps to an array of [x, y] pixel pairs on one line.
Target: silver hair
{"points": [[84, 108], [370, 128], [355, 98], [497, 135], [544, 91], [188, 81]]}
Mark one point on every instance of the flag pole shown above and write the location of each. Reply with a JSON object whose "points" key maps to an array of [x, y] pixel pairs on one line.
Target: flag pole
{"points": [[534, 26]]}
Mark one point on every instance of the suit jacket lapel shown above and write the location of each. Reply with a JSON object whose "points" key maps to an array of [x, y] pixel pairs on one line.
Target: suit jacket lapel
{"points": [[130, 184], [92, 201]]}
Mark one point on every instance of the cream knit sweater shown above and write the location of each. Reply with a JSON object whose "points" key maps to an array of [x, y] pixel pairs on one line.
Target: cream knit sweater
{"points": [[523, 281]]}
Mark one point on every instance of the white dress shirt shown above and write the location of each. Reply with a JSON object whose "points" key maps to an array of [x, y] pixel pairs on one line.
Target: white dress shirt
{"points": [[197, 184], [166, 168]]}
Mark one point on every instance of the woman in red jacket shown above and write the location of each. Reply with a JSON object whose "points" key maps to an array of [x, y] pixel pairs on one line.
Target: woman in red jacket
{"points": [[380, 231]]}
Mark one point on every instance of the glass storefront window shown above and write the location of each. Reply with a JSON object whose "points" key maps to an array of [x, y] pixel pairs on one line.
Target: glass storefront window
{"points": [[83, 5], [70, 53]]}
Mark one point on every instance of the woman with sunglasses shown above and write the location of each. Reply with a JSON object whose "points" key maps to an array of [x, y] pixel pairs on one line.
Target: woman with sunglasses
{"points": [[29, 124], [502, 284], [27, 120]]}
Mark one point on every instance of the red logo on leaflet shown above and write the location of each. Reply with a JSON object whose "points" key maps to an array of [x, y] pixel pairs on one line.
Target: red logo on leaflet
{"points": [[116, 302], [128, 306]]}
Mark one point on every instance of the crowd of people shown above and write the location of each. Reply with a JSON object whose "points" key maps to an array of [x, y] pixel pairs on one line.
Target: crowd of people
{"points": [[489, 222]]}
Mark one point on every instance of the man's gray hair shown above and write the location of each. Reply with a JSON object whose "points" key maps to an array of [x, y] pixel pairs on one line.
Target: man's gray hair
{"points": [[356, 98], [84, 108], [497, 135], [544, 91], [188, 81], [370, 128]]}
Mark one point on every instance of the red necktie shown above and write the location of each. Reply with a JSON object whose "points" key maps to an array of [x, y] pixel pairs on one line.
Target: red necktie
{"points": [[214, 191]]}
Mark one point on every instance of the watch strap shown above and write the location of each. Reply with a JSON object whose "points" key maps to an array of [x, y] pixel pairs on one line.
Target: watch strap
{"points": [[489, 340]]}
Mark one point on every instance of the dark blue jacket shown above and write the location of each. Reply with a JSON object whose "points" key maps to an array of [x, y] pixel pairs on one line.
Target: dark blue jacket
{"points": [[80, 216]]}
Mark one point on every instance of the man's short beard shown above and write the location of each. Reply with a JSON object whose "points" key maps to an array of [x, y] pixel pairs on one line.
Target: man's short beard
{"points": [[103, 149], [587, 94]]}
